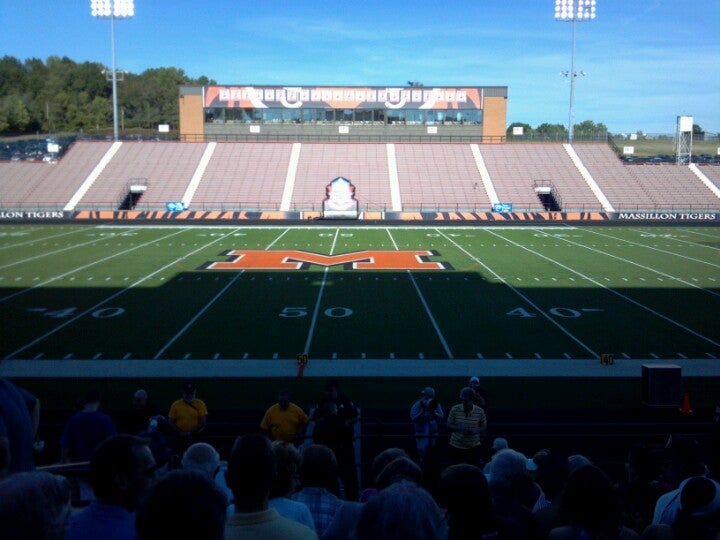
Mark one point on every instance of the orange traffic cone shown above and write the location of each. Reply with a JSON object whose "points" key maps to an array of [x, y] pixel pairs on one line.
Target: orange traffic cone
{"points": [[685, 409]]}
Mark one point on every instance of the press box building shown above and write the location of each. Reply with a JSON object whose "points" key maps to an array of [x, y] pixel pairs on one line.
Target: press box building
{"points": [[359, 113]]}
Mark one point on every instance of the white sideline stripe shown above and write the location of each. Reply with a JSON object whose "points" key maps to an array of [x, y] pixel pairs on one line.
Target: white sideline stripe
{"points": [[613, 291], [649, 269], [206, 307], [198, 174], [425, 305], [588, 178], [94, 174], [290, 177], [705, 180], [311, 330], [521, 295], [395, 198], [120, 292], [484, 174], [79, 268]]}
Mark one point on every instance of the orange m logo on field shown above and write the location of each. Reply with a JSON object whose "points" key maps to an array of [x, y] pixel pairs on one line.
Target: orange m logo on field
{"points": [[243, 259]]}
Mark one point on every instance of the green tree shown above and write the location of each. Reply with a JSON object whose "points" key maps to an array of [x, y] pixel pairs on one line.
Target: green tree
{"points": [[14, 114], [553, 132], [589, 130]]}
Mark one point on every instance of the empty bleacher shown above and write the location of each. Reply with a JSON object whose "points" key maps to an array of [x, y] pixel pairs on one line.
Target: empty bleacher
{"points": [[364, 164], [440, 177], [166, 167], [516, 168], [633, 187], [244, 176], [48, 186], [290, 176]]}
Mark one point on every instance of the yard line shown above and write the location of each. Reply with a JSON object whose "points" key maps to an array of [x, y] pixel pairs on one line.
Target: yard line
{"points": [[21, 244], [207, 306], [662, 250], [635, 302], [49, 253], [311, 330], [113, 296], [23, 291], [649, 269], [425, 304], [521, 295]]}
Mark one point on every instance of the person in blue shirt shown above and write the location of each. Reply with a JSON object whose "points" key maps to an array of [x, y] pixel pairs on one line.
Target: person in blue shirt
{"points": [[121, 471]]}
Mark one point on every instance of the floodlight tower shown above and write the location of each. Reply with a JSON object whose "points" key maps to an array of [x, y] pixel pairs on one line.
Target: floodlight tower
{"points": [[113, 9], [573, 11]]}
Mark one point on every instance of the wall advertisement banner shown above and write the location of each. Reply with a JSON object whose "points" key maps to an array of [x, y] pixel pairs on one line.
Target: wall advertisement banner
{"points": [[342, 97]]}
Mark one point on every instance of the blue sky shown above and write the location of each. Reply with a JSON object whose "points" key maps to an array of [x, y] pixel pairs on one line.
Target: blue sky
{"points": [[646, 61]]}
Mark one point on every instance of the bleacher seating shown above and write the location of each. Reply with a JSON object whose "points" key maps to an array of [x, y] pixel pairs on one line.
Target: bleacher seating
{"points": [[431, 177], [364, 164], [514, 169], [440, 177], [167, 167], [633, 187], [37, 185], [244, 176]]}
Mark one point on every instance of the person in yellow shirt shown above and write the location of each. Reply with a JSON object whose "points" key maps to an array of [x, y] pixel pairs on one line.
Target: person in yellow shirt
{"points": [[285, 421], [188, 417]]}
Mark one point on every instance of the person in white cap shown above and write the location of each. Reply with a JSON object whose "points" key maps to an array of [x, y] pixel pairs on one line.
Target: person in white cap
{"points": [[425, 414]]}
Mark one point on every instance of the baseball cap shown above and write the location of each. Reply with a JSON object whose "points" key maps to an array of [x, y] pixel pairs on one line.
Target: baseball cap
{"points": [[474, 380], [428, 391]]}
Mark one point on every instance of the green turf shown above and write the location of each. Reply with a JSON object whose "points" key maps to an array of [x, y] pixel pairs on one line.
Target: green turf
{"points": [[84, 292]]}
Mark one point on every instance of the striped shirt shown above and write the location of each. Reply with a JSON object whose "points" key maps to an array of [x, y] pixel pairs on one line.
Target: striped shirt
{"points": [[473, 419]]}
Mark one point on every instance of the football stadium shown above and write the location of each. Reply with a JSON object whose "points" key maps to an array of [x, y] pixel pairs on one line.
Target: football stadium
{"points": [[385, 238]]}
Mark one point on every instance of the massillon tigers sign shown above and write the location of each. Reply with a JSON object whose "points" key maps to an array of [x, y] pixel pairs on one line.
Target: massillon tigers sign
{"points": [[244, 259]]}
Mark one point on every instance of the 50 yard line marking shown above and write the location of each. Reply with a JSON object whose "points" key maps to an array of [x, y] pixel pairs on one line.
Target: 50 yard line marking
{"points": [[425, 304], [521, 295], [207, 306], [112, 297], [613, 291], [311, 330]]}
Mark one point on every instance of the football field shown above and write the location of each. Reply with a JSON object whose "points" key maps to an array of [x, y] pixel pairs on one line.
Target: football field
{"points": [[385, 298]]}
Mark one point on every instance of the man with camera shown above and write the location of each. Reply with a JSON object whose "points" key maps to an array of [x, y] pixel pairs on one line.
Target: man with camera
{"points": [[425, 414]]}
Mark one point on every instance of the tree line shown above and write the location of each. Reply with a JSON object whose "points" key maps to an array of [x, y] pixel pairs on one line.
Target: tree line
{"points": [[60, 94]]}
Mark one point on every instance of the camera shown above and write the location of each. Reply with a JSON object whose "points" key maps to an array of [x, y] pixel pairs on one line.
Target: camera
{"points": [[432, 404]]}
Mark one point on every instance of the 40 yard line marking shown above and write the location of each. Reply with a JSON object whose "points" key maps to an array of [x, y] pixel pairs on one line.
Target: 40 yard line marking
{"points": [[613, 291], [521, 295], [109, 298]]}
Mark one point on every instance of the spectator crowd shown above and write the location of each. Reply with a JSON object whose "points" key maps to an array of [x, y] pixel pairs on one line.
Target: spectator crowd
{"points": [[295, 477]]}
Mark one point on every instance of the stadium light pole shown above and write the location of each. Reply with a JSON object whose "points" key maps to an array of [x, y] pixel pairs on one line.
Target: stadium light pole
{"points": [[573, 11], [113, 9]]}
